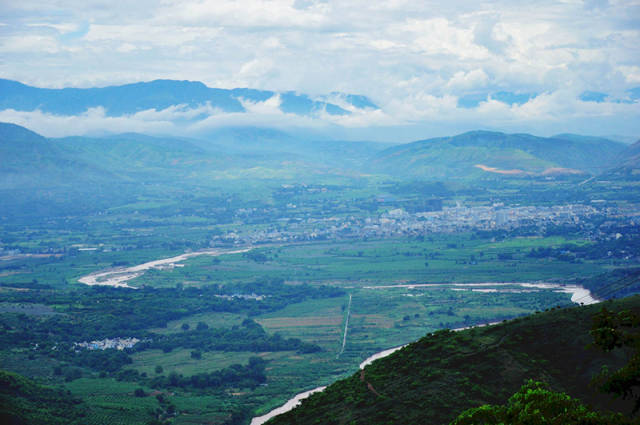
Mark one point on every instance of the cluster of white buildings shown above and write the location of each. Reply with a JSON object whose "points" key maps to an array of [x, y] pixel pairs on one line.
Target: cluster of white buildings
{"points": [[398, 222], [117, 343]]}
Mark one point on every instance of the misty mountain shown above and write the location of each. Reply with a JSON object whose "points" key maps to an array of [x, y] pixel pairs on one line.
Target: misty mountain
{"points": [[627, 165], [162, 94], [256, 142], [630, 157], [44, 176], [33, 160], [29, 160], [483, 153]]}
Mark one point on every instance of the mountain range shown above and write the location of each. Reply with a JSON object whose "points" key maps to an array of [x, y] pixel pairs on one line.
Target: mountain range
{"points": [[479, 153], [470, 155], [627, 164], [161, 94]]}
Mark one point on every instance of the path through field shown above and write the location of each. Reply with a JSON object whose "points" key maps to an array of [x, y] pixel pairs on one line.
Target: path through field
{"points": [[346, 327]]}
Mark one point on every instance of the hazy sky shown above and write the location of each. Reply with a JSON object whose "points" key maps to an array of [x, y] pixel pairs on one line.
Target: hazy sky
{"points": [[433, 67]]}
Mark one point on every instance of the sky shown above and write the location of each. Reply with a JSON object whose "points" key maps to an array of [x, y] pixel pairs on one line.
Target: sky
{"points": [[434, 68]]}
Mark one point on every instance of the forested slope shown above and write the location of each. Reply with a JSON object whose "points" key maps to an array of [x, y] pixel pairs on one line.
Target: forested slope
{"points": [[434, 379]]}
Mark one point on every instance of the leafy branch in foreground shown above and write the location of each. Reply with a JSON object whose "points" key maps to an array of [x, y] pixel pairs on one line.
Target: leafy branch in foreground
{"points": [[533, 404]]}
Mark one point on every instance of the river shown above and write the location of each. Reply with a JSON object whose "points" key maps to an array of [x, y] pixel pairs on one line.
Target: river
{"points": [[297, 399], [119, 277], [579, 295]]}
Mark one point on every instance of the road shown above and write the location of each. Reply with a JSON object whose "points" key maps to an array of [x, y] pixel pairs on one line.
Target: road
{"points": [[346, 327]]}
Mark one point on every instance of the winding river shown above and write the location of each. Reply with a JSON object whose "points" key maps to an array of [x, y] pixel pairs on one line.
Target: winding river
{"points": [[119, 277], [579, 295], [297, 399]]}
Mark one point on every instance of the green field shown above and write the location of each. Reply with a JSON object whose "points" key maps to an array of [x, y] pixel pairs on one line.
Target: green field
{"points": [[379, 318], [439, 259]]}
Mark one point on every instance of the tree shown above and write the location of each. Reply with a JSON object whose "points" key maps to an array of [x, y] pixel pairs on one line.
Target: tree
{"points": [[185, 326], [174, 379], [159, 369], [617, 330], [535, 404]]}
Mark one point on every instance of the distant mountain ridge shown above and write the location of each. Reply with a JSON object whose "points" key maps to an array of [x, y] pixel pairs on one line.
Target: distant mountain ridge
{"points": [[630, 158], [469, 155], [628, 164], [28, 159], [162, 94], [62, 172], [481, 153]]}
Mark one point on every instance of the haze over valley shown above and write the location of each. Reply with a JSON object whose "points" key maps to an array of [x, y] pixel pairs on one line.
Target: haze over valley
{"points": [[298, 212]]}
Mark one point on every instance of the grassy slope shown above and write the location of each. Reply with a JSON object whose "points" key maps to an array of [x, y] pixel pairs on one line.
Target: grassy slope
{"points": [[22, 401], [456, 157], [627, 166], [439, 376]]}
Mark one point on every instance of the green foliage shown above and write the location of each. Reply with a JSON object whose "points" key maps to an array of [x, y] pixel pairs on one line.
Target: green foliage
{"points": [[613, 330], [456, 157], [96, 313], [22, 401], [536, 404], [250, 336], [435, 378], [235, 375]]}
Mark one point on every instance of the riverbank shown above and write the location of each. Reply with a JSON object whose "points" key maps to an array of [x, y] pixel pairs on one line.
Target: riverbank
{"points": [[579, 295], [119, 277]]}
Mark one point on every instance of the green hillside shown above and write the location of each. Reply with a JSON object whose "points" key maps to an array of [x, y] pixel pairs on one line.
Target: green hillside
{"points": [[28, 160], [134, 155], [436, 378], [484, 153], [26, 402], [627, 165]]}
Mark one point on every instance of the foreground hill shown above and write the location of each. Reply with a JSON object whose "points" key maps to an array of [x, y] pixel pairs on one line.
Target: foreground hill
{"points": [[434, 379], [23, 401], [484, 153]]}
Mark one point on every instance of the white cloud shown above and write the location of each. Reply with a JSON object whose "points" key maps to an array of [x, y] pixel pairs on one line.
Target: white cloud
{"points": [[548, 113], [92, 121], [247, 13], [476, 78], [631, 73], [413, 58], [61, 28], [270, 106], [439, 36], [30, 43], [162, 37]]}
